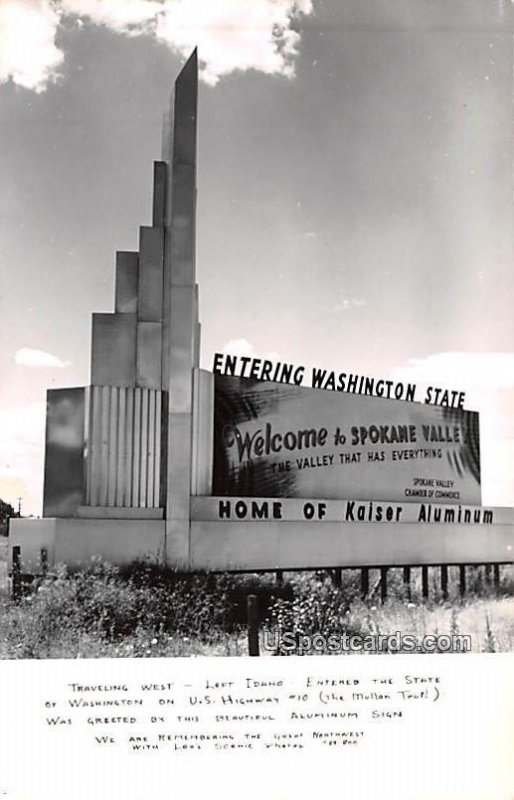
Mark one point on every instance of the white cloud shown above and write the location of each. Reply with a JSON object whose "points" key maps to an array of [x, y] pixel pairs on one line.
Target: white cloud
{"points": [[488, 382], [467, 370], [125, 16], [234, 34], [22, 433], [230, 34], [27, 357], [352, 302], [239, 347], [242, 347], [28, 53]]}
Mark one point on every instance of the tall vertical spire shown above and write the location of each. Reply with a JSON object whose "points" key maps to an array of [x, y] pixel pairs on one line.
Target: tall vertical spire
{"points": [[180, 305], [183, 175], [179, 153], [180, 136]]}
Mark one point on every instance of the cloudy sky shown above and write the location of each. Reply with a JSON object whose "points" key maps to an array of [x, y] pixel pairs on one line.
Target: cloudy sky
{"points": [[355, 192]]}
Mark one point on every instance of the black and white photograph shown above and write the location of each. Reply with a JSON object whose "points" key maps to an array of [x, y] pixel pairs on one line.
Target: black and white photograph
{"points": [[257, 397]]}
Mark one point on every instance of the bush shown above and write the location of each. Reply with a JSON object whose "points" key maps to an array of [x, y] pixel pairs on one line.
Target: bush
{"points": [[131, 611], [108, 605], [316, 607]]}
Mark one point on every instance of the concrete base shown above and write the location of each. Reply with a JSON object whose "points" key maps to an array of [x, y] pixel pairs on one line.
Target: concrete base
{"points": [[285, 544], [259, 545], [75, 542]]}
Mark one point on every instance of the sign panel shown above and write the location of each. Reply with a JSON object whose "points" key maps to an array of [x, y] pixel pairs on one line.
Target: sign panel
{"points": [[64, 459], [279, 440]]}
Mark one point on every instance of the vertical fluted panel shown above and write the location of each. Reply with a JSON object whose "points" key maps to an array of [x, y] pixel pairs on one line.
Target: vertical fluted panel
{"points": [[150, 453], [112, 447], [124, 447], [136, 448], [157, 450], [143, 449], [121, 451], [104, 418], [129, 448]]}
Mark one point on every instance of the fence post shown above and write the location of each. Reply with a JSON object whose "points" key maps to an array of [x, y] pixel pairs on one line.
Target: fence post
{"points": [[462, 579], [338, 577], [364, 582], [16, 573], [478, 578], [444, 581], [496, 568], [424, 582], [383, 584], [406, 582], [280, 576], [252, 618]]}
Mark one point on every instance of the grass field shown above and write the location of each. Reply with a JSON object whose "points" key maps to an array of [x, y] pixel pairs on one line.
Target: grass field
{"points": [[147, 612]]}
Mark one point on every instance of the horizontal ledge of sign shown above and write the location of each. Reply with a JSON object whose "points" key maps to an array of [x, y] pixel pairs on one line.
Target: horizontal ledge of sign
{"points": [[382, 512], [119, 512]]}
